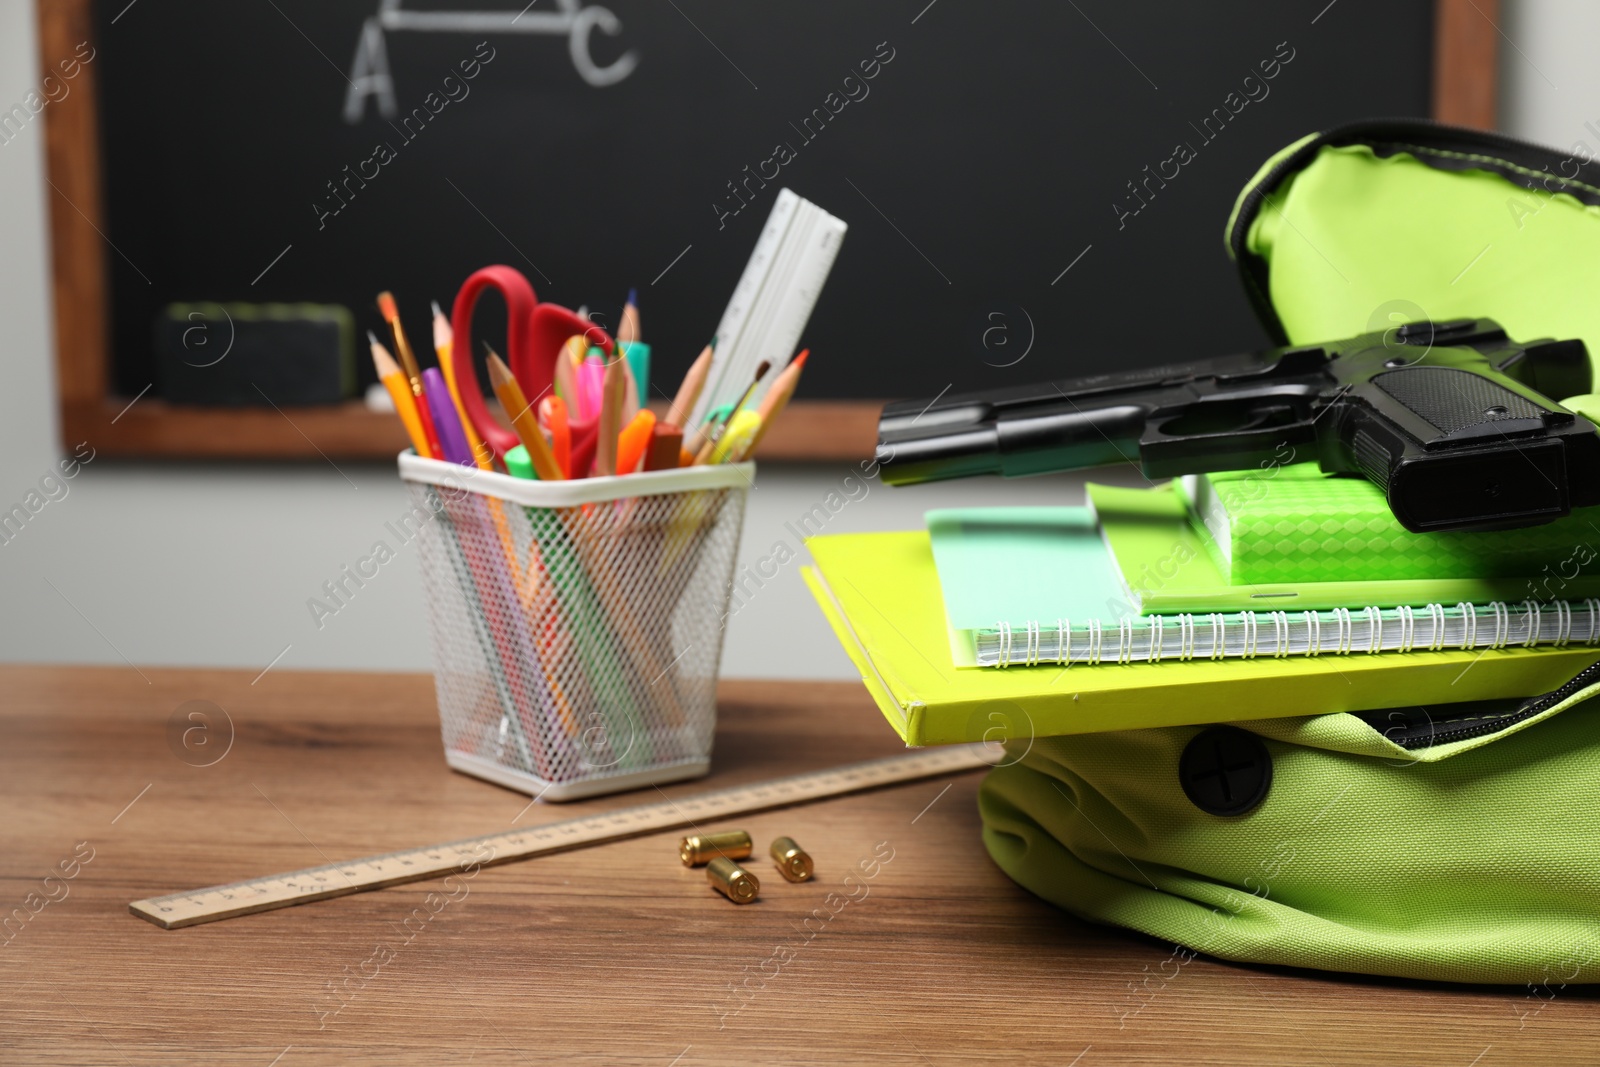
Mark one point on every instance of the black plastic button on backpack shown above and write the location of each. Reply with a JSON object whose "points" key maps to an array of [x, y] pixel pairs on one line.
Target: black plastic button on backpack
{"points": [[1225, 771]]}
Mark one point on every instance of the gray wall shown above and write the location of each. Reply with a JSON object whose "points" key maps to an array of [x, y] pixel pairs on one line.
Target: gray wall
{"points": [[212, 565]]}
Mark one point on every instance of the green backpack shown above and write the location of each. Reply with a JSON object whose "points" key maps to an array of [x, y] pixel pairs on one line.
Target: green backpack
{"points": [[1457, 842]]}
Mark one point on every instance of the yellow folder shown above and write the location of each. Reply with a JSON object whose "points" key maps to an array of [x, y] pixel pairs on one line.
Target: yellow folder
{"points": [[880, 593]]}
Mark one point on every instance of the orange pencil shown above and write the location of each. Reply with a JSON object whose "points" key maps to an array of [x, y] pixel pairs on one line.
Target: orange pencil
{"points": [[611, 399], [405, 405], [633, 441], [773, 403], [522, 419], [408, 361], [481, 454]]}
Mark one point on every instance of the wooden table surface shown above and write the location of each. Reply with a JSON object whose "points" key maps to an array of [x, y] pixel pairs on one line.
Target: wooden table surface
{"points": [[611, 955]]}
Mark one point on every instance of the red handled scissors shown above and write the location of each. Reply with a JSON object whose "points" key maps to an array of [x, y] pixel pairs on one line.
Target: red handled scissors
{"points": [[535, 336]]}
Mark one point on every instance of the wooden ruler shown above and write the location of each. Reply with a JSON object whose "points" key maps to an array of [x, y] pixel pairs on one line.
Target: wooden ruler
{"points": [[419, 864]]}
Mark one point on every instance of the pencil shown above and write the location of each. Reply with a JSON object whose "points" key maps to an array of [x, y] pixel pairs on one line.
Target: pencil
{"points": [[704, 455], [689, 393], [408, 361], [612, 393], [628, 329], [442, 339], [405, 405], [522, 419], [774, 402]]}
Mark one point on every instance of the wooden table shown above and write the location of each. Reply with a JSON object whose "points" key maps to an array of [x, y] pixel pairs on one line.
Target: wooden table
{"points": [[613, 955]]}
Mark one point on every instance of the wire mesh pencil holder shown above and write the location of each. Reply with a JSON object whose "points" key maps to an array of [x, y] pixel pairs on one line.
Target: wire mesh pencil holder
{"points": [[577, 626]]}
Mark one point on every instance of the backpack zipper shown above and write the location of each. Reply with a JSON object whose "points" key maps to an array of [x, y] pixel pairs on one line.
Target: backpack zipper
{"points": [[1492, 724]]}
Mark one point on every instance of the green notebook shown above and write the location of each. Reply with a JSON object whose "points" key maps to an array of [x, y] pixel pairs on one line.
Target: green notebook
{"points": [[1296, 524], [880, 593], [1168, 569]]}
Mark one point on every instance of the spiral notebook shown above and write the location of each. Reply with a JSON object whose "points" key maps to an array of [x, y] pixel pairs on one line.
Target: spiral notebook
{"points": [[1027, 586]]}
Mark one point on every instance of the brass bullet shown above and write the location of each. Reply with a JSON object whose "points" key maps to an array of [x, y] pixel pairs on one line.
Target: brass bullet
{"points": [[697, 850], [732, 880], [792, 861]]}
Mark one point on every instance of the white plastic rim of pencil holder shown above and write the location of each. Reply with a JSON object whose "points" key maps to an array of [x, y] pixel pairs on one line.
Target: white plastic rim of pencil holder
{"points": [[532, 493], [609, 682]]}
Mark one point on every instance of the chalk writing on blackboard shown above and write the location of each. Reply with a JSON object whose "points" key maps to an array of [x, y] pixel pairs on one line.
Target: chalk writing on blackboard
{"points": [[369, 70]]}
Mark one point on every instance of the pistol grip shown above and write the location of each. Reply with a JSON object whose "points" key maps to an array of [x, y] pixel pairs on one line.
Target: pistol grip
{"points": [[1455, 450]]}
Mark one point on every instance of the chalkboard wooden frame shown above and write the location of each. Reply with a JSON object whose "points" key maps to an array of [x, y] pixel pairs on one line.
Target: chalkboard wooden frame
{"points": [[1465, 79]]}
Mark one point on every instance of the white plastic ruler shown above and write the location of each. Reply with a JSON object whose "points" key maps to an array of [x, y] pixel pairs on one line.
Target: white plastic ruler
{"points": [[773, 300]]}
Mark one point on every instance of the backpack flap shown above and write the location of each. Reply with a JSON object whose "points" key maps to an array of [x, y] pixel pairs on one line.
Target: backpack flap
{"points": [[1375, 224]]}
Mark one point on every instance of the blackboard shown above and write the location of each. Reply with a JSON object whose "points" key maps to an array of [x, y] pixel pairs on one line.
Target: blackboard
{"points": [[994, 162]]}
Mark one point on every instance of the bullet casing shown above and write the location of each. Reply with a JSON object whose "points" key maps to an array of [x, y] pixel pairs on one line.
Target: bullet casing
{"points": [[732, 880], [697, 850], [792, 860]]}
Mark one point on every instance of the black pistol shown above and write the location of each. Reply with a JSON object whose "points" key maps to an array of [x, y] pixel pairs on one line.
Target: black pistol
{"points": [[1453, 420]]}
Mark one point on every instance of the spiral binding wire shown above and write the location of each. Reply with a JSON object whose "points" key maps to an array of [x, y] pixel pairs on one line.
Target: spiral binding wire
{"points": [[1529, 625]]}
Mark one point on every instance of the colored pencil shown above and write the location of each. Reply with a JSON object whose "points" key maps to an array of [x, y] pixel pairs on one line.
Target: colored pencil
{"points": [[689, 392], [628, 328], [612, 394], [777, 398]]}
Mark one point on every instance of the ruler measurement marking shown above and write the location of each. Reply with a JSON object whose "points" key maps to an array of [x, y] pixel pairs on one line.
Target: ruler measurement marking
{"points": [[287, 889]]}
